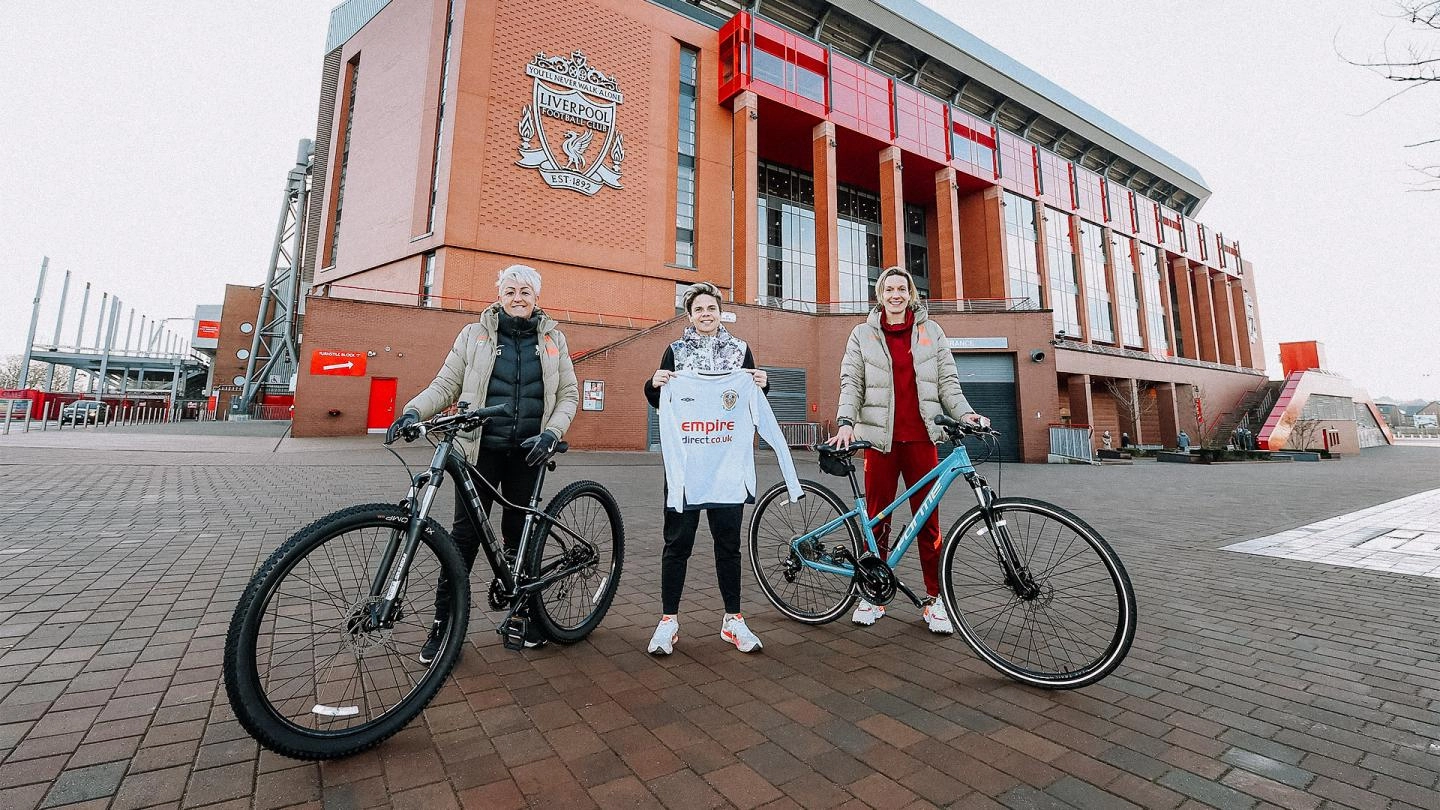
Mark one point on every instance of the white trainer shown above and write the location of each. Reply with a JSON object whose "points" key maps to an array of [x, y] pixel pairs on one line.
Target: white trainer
{"points": [[735, 631], [937, 618], [867, 613], [663, 642]]}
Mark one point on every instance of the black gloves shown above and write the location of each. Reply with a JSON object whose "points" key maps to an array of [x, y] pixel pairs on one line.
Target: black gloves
{"points": [[540, 447], [407, 419]]}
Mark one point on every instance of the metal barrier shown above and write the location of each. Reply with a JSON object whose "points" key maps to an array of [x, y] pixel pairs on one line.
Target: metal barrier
{"points": [[17, 411], [270, 411], [1072, 443], [801, 434]]}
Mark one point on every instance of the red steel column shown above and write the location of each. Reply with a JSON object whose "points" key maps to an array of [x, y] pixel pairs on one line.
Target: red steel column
{"points": [[892, 208], [1246, 349], [1205, 314], [1225, 319], [945, 279], [827, 245], [745, 182], [1180, 275]]}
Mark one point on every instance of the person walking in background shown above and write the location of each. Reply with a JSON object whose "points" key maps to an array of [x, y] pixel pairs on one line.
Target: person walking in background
{"points": [[513, 355], [896, 377], [707, 346], [1183, 441]]}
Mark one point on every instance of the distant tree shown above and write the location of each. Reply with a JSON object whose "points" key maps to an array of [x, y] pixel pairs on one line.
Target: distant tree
{"points": [[1302, 433], [1414, 63], [10, 372], [1134, 404]]}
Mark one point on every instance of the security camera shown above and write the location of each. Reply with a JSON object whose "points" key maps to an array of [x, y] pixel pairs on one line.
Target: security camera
{"points": [[1038, 356]]}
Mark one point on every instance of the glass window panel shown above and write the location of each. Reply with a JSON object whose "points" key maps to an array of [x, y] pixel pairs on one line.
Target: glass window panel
{"points": [[1064, 284], [1022, 271]]}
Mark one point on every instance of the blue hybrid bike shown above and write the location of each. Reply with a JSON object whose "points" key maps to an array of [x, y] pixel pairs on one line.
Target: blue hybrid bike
{"points": [[1033, 590]]}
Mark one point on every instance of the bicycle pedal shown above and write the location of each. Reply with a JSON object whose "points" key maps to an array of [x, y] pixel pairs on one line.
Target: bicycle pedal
{"points": [[513, 632]]}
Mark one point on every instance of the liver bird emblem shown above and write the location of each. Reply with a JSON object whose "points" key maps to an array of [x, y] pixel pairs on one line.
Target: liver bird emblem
{"points": [[574, 147]]}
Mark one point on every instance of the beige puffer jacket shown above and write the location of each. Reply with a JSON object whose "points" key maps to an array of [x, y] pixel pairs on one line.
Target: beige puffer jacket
{"points": [[466, 374], [867, 381]]}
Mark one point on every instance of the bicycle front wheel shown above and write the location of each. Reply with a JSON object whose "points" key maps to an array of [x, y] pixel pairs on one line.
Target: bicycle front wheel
{"points": [[1077, 622], [307, 676], [572, 605], [795, 589]]}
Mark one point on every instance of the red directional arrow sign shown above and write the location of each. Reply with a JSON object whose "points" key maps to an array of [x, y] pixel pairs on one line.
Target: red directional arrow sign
{"points": [[337, 362]]}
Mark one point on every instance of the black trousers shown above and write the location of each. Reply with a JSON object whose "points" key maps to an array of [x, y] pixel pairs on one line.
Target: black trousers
{"points": [[516, 479], [679, 531]]}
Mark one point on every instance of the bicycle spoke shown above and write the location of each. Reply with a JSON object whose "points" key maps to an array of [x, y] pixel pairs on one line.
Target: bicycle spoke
{"points": [[1064, 621]]}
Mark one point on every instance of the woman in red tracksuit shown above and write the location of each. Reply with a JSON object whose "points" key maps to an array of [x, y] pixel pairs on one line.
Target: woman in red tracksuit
{"points": [[897, 375]]}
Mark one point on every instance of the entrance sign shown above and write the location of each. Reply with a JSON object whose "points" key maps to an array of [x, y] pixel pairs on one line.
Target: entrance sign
{"points": [[572, 104], [337, 363]]}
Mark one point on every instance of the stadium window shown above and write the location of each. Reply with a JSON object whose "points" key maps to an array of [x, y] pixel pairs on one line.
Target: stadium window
{"points": [[685, 159]]}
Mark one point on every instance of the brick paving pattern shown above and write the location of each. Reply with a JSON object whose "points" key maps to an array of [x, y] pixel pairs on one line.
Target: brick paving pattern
{"points": [[1402, 536], [1255, 681]]}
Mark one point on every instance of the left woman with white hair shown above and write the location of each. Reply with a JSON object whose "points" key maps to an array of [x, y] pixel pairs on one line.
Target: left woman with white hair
{"points": [[514, 354]]}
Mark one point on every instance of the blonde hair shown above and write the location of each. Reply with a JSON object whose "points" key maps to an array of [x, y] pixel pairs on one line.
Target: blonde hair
{"points": [[897, 270], [699, 289]]}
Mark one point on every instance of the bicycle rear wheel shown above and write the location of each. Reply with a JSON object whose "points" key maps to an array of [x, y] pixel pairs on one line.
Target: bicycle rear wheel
{"points": [[800, 592], [1078, 623], [573, 605], [301, 676]]}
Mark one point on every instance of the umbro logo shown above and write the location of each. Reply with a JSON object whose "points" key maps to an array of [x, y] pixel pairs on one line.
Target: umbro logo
{"points": [[687, 399]]}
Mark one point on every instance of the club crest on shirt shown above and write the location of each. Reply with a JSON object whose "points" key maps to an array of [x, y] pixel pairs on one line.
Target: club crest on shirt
{"points": [[728, 399]]}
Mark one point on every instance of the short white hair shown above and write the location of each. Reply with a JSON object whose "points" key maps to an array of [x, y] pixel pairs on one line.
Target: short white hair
{"points": [[520, 274]]}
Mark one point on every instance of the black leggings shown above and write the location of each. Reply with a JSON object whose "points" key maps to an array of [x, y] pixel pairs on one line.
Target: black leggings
{"points": [[680, 541], [506, 469]]}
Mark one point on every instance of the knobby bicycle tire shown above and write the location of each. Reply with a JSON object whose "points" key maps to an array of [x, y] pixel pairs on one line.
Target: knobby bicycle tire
{"points": [[330, 691], [1075, 631], [569, 608], [802, 593]]}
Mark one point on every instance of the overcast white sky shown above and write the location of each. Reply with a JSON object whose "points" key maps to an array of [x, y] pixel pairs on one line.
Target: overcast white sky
{"points": [[144, 146]]}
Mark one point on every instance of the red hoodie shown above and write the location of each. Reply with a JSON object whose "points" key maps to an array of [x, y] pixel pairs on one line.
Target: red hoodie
{"points": [[909, 427]]}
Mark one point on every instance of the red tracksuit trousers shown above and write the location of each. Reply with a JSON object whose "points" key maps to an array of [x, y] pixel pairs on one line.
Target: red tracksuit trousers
{"points": [[882, 471]]}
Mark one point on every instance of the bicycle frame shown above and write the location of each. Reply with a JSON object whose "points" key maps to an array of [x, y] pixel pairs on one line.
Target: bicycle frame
{"points": [[955, 465], [390, 577]]}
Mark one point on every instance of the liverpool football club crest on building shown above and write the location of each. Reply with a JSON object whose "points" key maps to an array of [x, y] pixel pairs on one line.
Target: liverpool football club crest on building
{"points": [[572, 116]]}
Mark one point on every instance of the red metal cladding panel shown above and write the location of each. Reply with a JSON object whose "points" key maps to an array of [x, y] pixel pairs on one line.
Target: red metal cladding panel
{"points": [[1055, 180], [1172, 229], [859, 98], [1089, 194], [972, 146], [1147, 219], [1192, 238], [1017, 165], [734, 50], [920, 123], [1122, 208], [787, 68]]}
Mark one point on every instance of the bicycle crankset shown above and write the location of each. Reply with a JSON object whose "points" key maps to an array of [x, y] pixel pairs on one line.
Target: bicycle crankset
{"points": [[498, 597], [874, 580]]}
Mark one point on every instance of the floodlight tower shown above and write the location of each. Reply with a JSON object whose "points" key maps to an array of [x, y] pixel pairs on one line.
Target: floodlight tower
{"points": [[273, 357]]}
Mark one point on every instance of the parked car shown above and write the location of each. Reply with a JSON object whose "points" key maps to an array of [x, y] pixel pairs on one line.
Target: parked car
{"points": [[87, 411]]}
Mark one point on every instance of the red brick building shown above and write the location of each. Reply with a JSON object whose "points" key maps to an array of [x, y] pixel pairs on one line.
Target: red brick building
{"points": [[628, 148]]}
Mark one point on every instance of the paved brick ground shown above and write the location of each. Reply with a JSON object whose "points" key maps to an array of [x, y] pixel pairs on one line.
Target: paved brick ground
{"points": [[1254, 681]]}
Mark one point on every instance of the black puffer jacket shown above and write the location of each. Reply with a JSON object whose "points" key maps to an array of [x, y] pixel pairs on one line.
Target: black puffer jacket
{"points": [[517, 380]]}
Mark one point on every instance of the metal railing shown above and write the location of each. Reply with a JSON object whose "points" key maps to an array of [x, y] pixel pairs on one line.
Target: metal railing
{"points": [[380, 295], [270, 412], [801, 434], [1072, 443], [933, 305]]}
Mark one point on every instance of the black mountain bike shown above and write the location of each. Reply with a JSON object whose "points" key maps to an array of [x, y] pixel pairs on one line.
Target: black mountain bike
{"points": [[322, 659]]}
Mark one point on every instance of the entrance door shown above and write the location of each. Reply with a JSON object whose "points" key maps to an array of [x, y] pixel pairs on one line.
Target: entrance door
{"points": [[382, 404], [988, 381]]}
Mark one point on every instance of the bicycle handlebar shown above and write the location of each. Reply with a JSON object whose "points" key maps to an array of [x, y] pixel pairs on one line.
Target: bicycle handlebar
{"points": [[464, 419]]}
